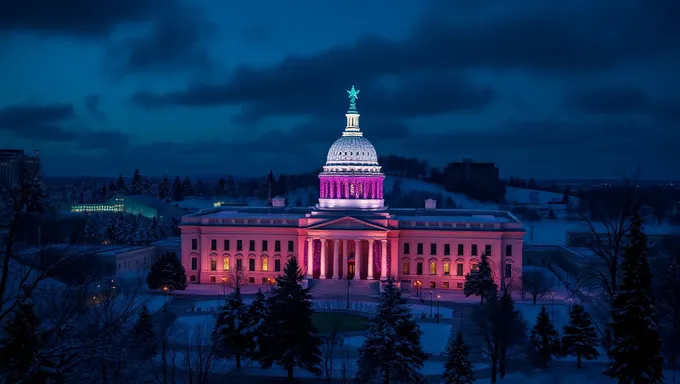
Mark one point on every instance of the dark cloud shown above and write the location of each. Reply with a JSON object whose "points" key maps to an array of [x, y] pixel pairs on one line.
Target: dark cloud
{"points": [[47, 124], [610, 99], [177, 42], [92, 107], [84, 18]]}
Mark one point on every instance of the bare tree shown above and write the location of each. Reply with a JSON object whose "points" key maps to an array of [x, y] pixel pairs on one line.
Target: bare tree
{"points": [[330, 341], [236, 277], [199, 359], [536, 284], [514, 282]]}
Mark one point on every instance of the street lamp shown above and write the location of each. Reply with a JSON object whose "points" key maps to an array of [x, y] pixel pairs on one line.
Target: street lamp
{"points": [[552, 306], [438, 297], [431, 295], [349, 280], [165, 299]]}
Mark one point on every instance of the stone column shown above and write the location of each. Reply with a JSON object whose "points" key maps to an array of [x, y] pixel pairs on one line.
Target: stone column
{"points": [[323, 259], [383, 262], [357, 259], [345, 255], [336, 259], [370, 260], [310, 258]]}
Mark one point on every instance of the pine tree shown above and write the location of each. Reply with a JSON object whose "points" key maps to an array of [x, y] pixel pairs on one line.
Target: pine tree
{"points": [[579, 338], [143, 336], [187, 189], [221, 186], [291, 339], [229, 186], [177, 190], [635, 353], [255, 329], [19, 346], [512, 329], [136, 184], [32, 184], [165, 189], [143, 231], [480, 281], [121, 229], [131, 229], [154, 230], [120, 184], [392, 351], [544, 341], [167, 271], [457, 368], [229, 337]]}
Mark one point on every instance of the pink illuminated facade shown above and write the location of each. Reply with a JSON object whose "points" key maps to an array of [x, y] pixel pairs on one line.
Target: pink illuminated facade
{"points": [[350, 233]]}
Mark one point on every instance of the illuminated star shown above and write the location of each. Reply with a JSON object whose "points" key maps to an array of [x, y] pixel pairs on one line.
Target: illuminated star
{"points": [[353, 93]]}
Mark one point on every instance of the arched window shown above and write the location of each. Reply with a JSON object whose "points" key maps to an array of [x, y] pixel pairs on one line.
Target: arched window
{"points": [[265, 263], [226, 263], [406, 267], [446, 265], [433, 267]]}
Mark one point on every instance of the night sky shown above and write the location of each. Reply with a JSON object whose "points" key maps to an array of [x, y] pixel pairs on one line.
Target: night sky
{"points": [[545, 89]]}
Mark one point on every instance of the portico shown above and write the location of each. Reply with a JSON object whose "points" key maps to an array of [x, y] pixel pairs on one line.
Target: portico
{"points": [[335, 255]]}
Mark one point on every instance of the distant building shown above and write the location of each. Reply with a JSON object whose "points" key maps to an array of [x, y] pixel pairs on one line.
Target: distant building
{"points": [[147, 206], [11, 161]]}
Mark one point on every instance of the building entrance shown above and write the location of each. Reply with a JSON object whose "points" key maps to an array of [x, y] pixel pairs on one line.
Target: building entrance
{"points": [[350, 269]]}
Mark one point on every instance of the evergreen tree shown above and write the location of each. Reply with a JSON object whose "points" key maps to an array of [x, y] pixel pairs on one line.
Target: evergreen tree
{"points": [[19, 346], [392, 351], [221, 186], [121, 229], [670, 313], [229, 337], [131, 229], [120, 184], [512, 329], [143, 231], [104, 192], [177, 190], [291, 339], [544, 341], [31, 182], [187, 189], [136, 185], [165, 189], [457, 368], [635, 353], [480, 281], [154, 230], [229, 186], [143, 337], [167, 271], [255, 329], [579, 338]]}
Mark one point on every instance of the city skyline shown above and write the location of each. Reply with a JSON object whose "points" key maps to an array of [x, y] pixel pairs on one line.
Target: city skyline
{"points": [[576, 90]]}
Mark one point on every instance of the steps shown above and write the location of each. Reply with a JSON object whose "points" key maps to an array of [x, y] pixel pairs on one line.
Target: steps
{"points": [[330, 287]]}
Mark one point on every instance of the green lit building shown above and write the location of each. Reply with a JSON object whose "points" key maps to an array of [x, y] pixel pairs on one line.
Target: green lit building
{"points": [[146, 206]]}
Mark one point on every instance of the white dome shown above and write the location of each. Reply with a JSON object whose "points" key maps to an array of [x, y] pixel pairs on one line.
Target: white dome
{"points": [[352, 150]]}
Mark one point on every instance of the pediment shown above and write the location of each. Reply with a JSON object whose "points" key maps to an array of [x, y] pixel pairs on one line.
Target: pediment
{"points": [[348, 223]]}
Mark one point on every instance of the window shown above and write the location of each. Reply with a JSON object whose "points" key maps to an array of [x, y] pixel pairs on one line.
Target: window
{"points": [[265, 264], [277, 265], [433, 248], [194, 243], [508, 270], [487, 249], [213, 245], [474, 250], [291, 246], [420, 248], [433, 284], [194, 263], [224, 280], [251, 264], [447, 249], [459, 269], [251, 246], [239, 245], [213, 264], [433, 267], [419, 268], [459, 285], [405, 267], [473, 266], [239, 264], [192, 278], [461, 250], [226, 245], [225, 263], [213, 279], [277, 246], [447, 268], [251, 280], [508, 250], [407, 248], [446, 285], [264, 280], [265, 246]]}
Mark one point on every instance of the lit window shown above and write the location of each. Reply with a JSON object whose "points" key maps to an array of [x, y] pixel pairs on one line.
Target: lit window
{"points": [[265, 264], [224, 279], [433, 268], [213, 264], [473, 266], [406, 267], [447, 268], [225, 263]]}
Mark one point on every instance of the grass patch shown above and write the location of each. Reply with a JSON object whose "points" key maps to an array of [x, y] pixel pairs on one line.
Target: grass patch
{"points": [[325, 322]]}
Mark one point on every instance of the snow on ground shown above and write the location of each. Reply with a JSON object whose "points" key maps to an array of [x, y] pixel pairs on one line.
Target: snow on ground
{"points": [[554, 232], [434, 338], [516, 195], [561, 293], [189, 329], [154, 302]]}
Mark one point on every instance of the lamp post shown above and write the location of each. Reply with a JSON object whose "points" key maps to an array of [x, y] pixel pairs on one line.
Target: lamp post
{"points": [[349, 281], [438, 297], [165, 299], [552, 307], [431, 298]]}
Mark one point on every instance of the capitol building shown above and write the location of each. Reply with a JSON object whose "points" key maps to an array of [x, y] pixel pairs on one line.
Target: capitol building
{"points": [[350, 233]]}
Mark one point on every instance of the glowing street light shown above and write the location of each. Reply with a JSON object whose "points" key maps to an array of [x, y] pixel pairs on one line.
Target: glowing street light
{"points": [[438, 297], [165, 299]]}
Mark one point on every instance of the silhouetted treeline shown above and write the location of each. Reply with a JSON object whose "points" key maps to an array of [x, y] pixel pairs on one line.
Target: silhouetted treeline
{"points": [[606, 202], [411, 168]]}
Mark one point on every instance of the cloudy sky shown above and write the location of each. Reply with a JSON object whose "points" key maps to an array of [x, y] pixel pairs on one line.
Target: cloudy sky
{"points": [[579, 88]]}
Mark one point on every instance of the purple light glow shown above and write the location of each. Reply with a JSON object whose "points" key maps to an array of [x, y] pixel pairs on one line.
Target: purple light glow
{"points": [[305, 258], [339, 187], [316, 267], [389, 259], [377, 258]]}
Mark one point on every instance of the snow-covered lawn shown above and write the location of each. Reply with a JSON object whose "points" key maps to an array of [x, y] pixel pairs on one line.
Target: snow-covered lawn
{"points": [[434, 338], [154, 302], [559, 313], [189, 329]]}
